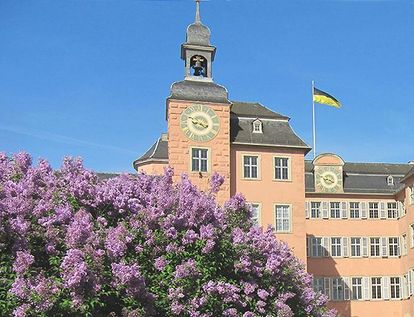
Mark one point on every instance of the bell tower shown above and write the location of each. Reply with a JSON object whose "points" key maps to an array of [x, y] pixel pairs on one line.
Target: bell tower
{"points": [[198, 114], [197, 52]]}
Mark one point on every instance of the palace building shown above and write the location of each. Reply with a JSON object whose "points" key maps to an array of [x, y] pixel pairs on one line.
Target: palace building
{"points": [[352, 224]]}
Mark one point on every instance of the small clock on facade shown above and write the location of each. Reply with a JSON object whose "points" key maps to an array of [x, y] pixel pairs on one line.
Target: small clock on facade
{"points": [[328, 179], [200, 123]]}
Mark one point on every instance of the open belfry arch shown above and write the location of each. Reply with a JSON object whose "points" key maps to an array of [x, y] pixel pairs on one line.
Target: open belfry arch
{"points": [[351, 224]]}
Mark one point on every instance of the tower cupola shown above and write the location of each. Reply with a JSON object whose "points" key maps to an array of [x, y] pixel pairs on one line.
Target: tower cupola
{"points": [[197, 52]]}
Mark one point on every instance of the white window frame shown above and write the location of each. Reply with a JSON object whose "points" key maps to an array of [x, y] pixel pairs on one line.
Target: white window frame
{"points": [[257, 126], [284, 229], [411, 194], [390, 180], [354, 210], [377, 247], [338, 289], [282, 168], [258, 219], [393, 247], [375, 211], [356, 288], [315, 209], [395, 287], [376, 288], [392, 212], [335, 212], [316, 247], [318, 284], [336, 247], [207, 160], [251, 166], [356, 247]]}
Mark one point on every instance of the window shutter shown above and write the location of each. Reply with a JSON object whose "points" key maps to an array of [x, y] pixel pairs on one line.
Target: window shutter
{"points": [[325, 210], [344, 209], [363, 206], [401, 208], [384, 247], [307, 209], [345, 247], [410, 282], [365, 288], [404, 286], [383, 213], [327, 287], [403, 245], [364, 246], [325, 245], [399, 205], [347, 288], [398, 246], [386, 287], [308, 247]]}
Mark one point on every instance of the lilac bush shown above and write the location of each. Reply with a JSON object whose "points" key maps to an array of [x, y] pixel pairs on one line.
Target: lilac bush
{"points": [[138, 245]]}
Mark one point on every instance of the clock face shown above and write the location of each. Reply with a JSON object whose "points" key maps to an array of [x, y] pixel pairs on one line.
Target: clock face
{"points": [[199, 123], [328, 179]]}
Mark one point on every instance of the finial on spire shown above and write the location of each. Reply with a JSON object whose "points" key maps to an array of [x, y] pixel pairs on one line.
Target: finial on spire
{"points": [[197, 17]]}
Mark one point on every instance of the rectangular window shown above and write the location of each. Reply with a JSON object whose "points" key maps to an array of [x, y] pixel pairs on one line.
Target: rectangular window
{"points": [[250, 166], [393, 246], [356, 288], [256, 214], [376, 288], [373, 210], [315, 209], [199, 160], [355, 246], [282, 168], [354, 210], [411, 193], [336, 247], [395, 287], [337, 289], [318, 284], [335, 210], [282, 218], [375, 246], [317, 249], [392, 210]]}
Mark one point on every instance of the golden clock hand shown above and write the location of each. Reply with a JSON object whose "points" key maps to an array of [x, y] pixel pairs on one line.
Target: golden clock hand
{"points": [[204, 125], [327, 179]]}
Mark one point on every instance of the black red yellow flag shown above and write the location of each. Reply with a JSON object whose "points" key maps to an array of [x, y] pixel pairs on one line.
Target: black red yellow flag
{"points": [[322, 97]]}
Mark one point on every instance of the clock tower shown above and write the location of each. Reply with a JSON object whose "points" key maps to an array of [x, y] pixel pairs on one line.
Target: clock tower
{"points": [[198, 114], [328, 171]]}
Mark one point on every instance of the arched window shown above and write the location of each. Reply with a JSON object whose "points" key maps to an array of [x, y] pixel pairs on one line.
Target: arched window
{"points": [[257, 126], [198, 66], [390, 180]]}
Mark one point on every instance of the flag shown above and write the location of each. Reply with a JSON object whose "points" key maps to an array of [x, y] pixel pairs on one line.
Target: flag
{"points": [[320, 96]]}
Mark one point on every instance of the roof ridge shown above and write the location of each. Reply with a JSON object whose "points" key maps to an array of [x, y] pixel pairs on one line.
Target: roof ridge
{"points": [[348, 162]]}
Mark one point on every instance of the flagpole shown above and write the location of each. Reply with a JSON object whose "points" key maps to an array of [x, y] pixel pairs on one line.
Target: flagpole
{"points": [[313, 121]]}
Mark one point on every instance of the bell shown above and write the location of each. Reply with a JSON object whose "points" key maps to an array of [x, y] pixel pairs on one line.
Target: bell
{"points": [[198, 69]]}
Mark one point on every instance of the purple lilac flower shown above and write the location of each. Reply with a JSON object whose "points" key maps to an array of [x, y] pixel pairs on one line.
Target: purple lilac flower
{"points": [[23, 261]]}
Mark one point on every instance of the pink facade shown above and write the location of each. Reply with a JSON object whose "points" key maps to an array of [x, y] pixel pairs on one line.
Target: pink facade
{"points": [[352, 224]]}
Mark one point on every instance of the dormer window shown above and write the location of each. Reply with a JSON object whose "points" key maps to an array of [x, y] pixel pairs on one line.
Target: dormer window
{"points": [[390, 180], [257, 126]]}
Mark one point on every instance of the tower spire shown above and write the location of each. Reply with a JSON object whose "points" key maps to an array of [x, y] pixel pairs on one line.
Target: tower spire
{"points": [[197, 16]]}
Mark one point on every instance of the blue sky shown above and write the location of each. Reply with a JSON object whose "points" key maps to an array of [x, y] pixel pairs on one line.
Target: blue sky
{"points": [[89, 78]]}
